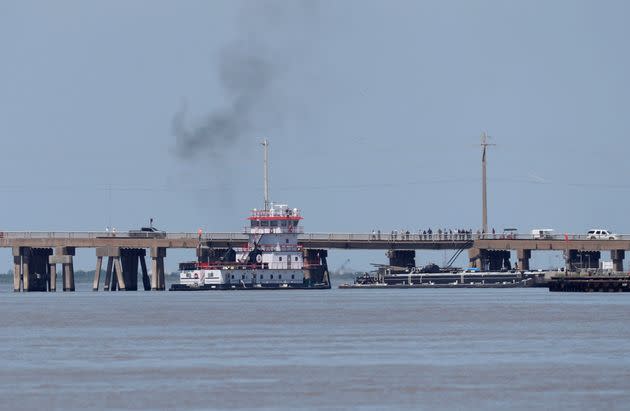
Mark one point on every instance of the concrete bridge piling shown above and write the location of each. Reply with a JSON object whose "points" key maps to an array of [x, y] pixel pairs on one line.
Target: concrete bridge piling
{"points": [[580, 259], [489, 260], [157, 268], [316, 266], [617, 257], [32, 270], [122, 269], [402, 258]]}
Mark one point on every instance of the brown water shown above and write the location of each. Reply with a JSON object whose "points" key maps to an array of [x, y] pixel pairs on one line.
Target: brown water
{"points": [[325, 350]]}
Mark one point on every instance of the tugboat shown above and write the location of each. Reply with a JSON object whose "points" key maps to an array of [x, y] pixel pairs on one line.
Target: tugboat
{"points": [[271, 259]]}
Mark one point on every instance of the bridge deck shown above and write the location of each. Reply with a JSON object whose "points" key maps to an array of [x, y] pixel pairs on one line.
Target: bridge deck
{"points": [[315, 240]]}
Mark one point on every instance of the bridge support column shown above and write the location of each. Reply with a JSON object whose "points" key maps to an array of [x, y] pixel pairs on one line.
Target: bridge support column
{"points": [[129, 260], [97, 272], [108, 273], [497, 260], [402, 258], [17, 273], [577, 260], [63, 256], [146, 281], [208, 254], [489, 260], [474, 257], [120, 278], [26, 272], [21, 265], [122, 268], [40, 269], [157, 268], [316, 266], [617, 257], [53, 277], [31, 269], [523, 257]]}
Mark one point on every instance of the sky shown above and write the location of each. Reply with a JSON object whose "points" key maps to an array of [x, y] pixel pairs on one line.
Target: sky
{"points": [[112, 112]]}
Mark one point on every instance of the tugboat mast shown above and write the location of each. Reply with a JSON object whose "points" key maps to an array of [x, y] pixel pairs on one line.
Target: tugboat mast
{"points": [[265, 144]]}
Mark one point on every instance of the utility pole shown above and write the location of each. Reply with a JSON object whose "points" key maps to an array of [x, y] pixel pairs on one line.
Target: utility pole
{"points": [[484, 199], [265, 144]]}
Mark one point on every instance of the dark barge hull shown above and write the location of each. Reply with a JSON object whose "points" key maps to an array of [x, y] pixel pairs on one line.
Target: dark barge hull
{"points": [[425, 285], [229, 287], [590, 284]]}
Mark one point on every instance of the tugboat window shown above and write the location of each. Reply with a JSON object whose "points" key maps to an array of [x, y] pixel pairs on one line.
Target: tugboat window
{"points": [[296, 258], [232, 276], [280, 277], [271, 276], [293, 276], [279, 258]]}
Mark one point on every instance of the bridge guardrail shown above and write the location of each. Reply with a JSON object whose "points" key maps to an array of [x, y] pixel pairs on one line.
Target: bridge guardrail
{"points": [[239, 236]]}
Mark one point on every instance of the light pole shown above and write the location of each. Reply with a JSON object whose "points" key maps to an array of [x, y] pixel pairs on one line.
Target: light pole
{"points": [[484, 199]]}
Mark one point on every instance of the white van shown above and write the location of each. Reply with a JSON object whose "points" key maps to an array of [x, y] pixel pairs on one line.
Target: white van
{"points": [[542, 233]]}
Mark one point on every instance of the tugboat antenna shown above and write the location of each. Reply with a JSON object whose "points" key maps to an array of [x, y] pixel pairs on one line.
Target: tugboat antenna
{"points": [[265, 144]]}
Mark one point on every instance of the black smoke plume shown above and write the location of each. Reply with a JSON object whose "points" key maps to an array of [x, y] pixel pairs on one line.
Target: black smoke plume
{"points": [[248, 69]]}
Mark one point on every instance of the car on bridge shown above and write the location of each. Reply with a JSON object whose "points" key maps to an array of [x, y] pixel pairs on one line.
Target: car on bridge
{"points": [[147, 232], [600, 234]]}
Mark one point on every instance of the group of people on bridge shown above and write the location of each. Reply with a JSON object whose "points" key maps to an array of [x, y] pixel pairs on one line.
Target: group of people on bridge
{"points": [[425, 235]]}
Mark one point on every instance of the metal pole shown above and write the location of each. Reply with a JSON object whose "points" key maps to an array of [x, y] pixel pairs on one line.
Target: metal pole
{"points": [[265, 144], [484, 199]]}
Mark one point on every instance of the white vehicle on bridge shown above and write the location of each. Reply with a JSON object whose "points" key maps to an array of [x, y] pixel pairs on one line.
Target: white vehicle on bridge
{"points": [[600, 234], [542, 233]]}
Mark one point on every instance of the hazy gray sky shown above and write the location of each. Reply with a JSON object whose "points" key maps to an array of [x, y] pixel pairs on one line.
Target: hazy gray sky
{"points": [[373, 110]]}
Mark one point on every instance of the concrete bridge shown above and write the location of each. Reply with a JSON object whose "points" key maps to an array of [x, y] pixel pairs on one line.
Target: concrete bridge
{"points": [[37, 254]]}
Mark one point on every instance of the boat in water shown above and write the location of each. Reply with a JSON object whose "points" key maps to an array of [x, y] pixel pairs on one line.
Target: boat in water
{"points": [[431, 276], [271, 258]]}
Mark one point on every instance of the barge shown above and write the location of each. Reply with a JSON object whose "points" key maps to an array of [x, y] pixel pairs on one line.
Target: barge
{"points": [[416, 278]]}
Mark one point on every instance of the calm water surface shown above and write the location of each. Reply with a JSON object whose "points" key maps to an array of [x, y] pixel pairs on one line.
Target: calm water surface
{"points": [[323, 350]]}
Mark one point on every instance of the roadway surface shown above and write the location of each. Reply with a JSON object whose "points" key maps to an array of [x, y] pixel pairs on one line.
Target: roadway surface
{"points": [[356, 241]]}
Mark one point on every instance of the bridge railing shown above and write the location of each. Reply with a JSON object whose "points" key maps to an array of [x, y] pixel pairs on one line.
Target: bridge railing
{"points": [[387, 237], [368, 237], [86, 235], [53, 234]]}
